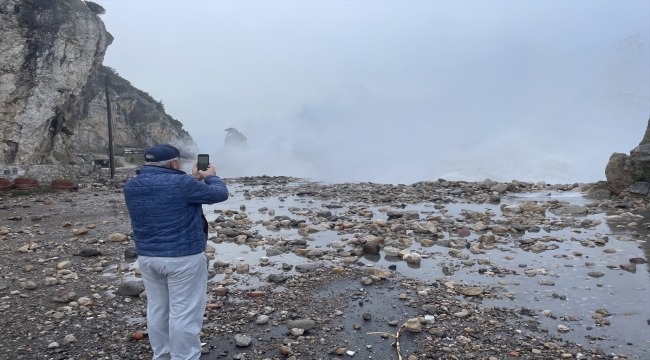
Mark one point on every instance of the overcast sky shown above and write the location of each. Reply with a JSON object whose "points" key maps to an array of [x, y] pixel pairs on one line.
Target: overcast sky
{"points": [[396, 91]]}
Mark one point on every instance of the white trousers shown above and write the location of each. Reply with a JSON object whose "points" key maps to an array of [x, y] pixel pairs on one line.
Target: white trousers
{"points": [[176, 299]]}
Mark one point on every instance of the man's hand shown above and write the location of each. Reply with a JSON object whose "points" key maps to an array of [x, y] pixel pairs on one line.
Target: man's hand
{"points": [[200, 175]]}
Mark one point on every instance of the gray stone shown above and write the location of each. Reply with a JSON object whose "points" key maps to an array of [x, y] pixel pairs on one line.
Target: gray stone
{"points": [[242, 340], [394, 214], [276, 278], [130, 253], [308, 267], [602, 194], [220, 263], [324, 214], [623, 170], [411, 215], [130, 288], [65, 297], [305, 324], [596, 274], [89, 252], [273, 252], [371, 248], [570, 210], [431, 309], [640, 188]]}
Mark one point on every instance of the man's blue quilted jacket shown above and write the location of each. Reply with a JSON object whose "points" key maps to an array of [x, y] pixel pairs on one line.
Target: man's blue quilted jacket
{"points": [[166, 213]]}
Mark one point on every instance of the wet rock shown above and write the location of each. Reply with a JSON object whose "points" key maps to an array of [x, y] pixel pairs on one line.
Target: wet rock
{"points": [[242, 268], [273, 252], [562, 328], [596, 274], [412, 258], [472, 291], [220, 263], [309, 267], [381, 273], [276, 278], [371, 248], [89, 252], [410, 215], [391, 251], [629, 267], [130, 288], [570, 210], [325, 214], [546, 282], [305, 324], [130, 253], [458, 254], [637, 261], [394, 214]]}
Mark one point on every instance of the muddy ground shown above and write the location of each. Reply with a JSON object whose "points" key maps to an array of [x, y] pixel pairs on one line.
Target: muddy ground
{"points": [[66, 256]]}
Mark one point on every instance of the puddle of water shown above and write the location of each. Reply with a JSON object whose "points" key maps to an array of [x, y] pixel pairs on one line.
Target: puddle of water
{"points": [[623, 294]]}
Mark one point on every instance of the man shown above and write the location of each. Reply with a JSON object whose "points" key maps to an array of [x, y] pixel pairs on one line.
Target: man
{"points": [[170, 235]]}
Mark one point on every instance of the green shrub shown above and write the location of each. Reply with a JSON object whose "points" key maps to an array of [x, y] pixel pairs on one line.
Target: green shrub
{"points": [[641, 177]]}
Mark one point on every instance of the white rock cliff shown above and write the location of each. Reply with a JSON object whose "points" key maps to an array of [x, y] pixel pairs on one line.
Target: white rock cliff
{"points": [[52, 102]]}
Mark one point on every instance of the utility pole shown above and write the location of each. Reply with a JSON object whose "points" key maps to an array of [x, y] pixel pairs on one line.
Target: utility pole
{"points": [[111, 157]]}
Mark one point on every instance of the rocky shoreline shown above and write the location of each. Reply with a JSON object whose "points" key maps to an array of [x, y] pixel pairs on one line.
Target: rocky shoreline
{"points": [[305, 270]]}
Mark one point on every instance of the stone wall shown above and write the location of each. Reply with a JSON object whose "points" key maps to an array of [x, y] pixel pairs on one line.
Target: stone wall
{"points": [[85, 173]]}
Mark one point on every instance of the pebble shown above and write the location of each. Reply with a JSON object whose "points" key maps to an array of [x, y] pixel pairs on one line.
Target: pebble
{"points": [[305, 324], [69, 339], [414, 325], [242, 340], [117, 237]]}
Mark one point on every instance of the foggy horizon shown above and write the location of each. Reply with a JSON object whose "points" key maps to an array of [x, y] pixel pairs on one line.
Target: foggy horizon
{"points": [[396, 92]]}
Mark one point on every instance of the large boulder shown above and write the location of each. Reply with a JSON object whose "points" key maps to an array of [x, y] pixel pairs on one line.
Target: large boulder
{"points": [[624, 170]]}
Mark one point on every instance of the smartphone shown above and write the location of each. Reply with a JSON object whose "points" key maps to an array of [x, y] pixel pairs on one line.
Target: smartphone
{"points": [[203, 161]]}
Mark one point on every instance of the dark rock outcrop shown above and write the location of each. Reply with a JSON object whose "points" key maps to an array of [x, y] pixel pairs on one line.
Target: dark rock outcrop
{"points": [[624, 170], [235, 139], [139, 121]]}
